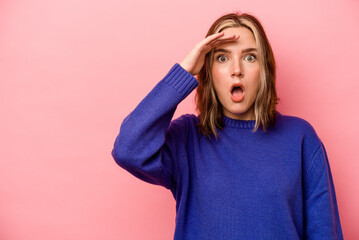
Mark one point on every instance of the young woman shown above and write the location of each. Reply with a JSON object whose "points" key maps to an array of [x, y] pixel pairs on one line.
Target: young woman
{"points": [[240, 169]]}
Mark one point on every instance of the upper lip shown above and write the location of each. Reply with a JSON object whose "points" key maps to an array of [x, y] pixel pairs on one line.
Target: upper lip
{"points": [[237, 85]]}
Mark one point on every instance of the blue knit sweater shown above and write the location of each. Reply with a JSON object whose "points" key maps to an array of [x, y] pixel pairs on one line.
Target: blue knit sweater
{"points": [[263, 185]]}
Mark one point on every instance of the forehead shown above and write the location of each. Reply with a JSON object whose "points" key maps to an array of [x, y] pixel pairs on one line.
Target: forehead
{"points": [[246, 38]]}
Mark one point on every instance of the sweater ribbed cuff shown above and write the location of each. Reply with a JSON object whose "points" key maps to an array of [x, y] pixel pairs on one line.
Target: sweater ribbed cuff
{"points": [[181, 80]]}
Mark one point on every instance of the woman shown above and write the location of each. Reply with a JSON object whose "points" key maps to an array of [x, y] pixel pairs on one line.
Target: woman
{"points": [[240, 169]]}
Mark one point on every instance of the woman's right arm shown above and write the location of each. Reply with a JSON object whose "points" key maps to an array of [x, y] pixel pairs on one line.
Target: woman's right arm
{"points": [[146, 145], [149, 144]]}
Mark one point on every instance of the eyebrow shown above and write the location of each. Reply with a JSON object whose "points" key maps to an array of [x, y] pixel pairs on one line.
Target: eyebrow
{"points": [[227, 51]]}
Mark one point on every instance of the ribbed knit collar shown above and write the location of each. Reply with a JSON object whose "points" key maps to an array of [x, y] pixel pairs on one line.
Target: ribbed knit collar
{"points": [[246, 124]]}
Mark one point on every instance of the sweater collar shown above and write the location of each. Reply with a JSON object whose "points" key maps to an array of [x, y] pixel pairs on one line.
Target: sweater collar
{"points": [[245, 124], [231, 122]]}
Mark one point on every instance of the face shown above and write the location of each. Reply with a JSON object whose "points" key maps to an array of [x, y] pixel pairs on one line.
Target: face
{"points": [[235, 74]]}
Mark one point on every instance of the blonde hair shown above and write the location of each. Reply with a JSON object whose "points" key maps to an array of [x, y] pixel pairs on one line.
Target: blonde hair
{"points": [[208, 104]]}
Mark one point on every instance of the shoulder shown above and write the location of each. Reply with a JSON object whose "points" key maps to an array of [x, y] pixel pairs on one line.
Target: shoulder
{"points": [[299, 127], [185, 125], [185, 122], [295, 123], [181, 128]]}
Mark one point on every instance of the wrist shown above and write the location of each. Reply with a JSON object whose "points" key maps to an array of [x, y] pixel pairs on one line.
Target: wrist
{"points": [[185, 67]]}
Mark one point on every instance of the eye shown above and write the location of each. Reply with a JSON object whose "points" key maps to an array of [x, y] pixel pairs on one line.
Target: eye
{"points": [[221, 58], [250, 58]]}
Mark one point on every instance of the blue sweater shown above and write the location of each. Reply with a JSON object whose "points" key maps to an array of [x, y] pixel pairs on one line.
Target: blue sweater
{"points": [[263, 185]]}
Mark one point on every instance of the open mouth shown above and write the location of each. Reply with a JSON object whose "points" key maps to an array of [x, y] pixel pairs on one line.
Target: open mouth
{"points": [[237, 92]]}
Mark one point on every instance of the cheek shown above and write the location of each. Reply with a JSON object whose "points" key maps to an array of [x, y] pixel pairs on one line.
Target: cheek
{"points": [[254, 80], [218, 77], [253, 73], [218, 72]]}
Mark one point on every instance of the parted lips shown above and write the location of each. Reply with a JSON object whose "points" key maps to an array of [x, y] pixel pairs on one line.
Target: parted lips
{"points": [[237, 92]]}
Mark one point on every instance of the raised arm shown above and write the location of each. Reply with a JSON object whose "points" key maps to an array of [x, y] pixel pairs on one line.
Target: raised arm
{"points": [[146, 146], [149, 146]]}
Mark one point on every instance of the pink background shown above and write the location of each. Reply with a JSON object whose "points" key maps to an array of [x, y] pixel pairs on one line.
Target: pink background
{"points": [[70, 71]]}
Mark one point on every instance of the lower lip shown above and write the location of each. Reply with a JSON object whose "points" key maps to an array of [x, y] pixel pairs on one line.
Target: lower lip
{"points": [[238, 99]]}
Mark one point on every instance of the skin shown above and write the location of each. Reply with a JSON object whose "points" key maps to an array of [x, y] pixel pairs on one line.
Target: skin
{"points": [[229, 70], [194, 60], [237, 66]]}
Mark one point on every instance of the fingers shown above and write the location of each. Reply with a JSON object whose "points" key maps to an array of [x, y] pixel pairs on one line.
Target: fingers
{"points": [[225, 38], [222, 41], [213, 37], [219, 38]]}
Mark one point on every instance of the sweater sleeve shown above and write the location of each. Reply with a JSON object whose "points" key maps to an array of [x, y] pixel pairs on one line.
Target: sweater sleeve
{"points": [[321, 215], [148, 144]]}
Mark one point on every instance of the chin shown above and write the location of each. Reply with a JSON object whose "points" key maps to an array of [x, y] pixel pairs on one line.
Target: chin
{"points": [[239, 113]]}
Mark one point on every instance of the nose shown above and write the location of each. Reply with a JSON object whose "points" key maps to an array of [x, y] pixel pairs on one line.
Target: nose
{"points": [[237, 69]]}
